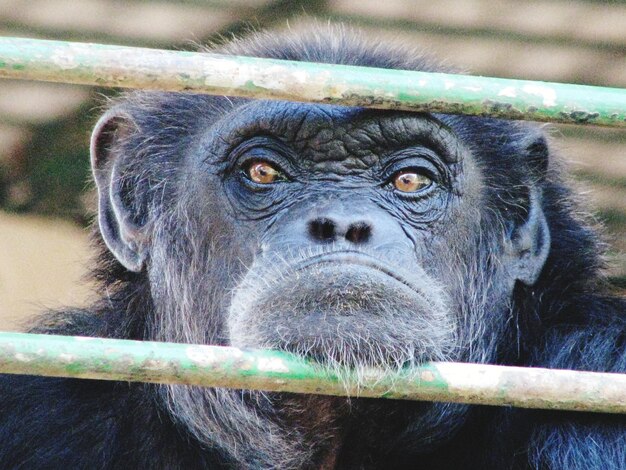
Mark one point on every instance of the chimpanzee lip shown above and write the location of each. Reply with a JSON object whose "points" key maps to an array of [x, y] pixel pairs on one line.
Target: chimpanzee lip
{"points": [[356, 258]]}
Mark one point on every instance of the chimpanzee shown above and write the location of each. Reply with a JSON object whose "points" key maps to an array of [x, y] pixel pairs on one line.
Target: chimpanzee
{"points": [[351, 236]]}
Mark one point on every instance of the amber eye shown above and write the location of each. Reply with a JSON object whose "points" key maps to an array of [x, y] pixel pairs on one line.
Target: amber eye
{"points": [[409, 181], [262, 172]]}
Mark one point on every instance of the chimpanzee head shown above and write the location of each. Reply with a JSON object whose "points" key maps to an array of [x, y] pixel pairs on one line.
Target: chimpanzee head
{"points": [[352, 236]]}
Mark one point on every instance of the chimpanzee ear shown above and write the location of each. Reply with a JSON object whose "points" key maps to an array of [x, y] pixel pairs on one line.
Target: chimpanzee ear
{"points": [[116, 217], [528, 244], [537, 153]]}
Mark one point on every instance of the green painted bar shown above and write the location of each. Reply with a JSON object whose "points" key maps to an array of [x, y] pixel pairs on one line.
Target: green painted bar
{"points": [[216, 366], [127, 67]]}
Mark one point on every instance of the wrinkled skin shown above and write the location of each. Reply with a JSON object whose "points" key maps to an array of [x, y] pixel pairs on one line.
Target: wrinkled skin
{"points": [[333, 258]]}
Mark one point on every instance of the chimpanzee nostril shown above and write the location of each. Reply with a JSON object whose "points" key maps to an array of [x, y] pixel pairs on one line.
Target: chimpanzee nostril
{"points": [[322, 229], [359, 232]]}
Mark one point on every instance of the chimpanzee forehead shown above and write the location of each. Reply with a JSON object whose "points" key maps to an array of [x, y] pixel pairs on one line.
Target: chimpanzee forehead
{"points": [[356, 137]]}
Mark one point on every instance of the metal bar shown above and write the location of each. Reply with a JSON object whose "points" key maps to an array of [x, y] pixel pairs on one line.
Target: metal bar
{"points": [[127, 67], [216, 366]]}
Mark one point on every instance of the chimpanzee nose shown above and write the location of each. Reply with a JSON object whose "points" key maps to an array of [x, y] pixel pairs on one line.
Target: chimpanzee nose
{"points": [[324, 229]]}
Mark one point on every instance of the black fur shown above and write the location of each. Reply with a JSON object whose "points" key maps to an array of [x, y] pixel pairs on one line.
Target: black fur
{"points": [[553, 312]]}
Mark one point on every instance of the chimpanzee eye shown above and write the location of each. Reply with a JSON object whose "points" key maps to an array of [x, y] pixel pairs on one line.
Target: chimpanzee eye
{"points": [[410, 181], [262, 172]]}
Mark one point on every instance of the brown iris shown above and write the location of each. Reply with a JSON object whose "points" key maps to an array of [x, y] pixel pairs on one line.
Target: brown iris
{"points": [[409, 181], [262, 172]]}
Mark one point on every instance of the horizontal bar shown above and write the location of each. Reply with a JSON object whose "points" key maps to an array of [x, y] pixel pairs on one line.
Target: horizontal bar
{"points": [[128, 67], [216, 366]]}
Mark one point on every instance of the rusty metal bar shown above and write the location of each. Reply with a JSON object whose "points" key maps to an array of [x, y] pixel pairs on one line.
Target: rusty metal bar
{"points": [[128, 67], [215, 366]]}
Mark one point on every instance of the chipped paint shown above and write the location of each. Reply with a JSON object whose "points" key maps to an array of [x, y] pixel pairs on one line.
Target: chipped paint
{"points": [[66, 358], [300, 76], [64, 60], [22, 357], [272, 364], [509, 92], [427, 376], [474, 378], [548, 94], [201, 355]]}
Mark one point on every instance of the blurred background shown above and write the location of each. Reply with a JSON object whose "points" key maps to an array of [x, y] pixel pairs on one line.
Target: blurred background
{"points": [[45, 197]]}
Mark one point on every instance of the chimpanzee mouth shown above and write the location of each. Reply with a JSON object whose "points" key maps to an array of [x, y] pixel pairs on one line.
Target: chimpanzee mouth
{"points": [[343, 307], [357, 258]]}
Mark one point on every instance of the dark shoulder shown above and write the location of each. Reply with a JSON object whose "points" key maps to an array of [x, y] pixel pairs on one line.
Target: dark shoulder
{"points": [[68, 423], [48, 422]]}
